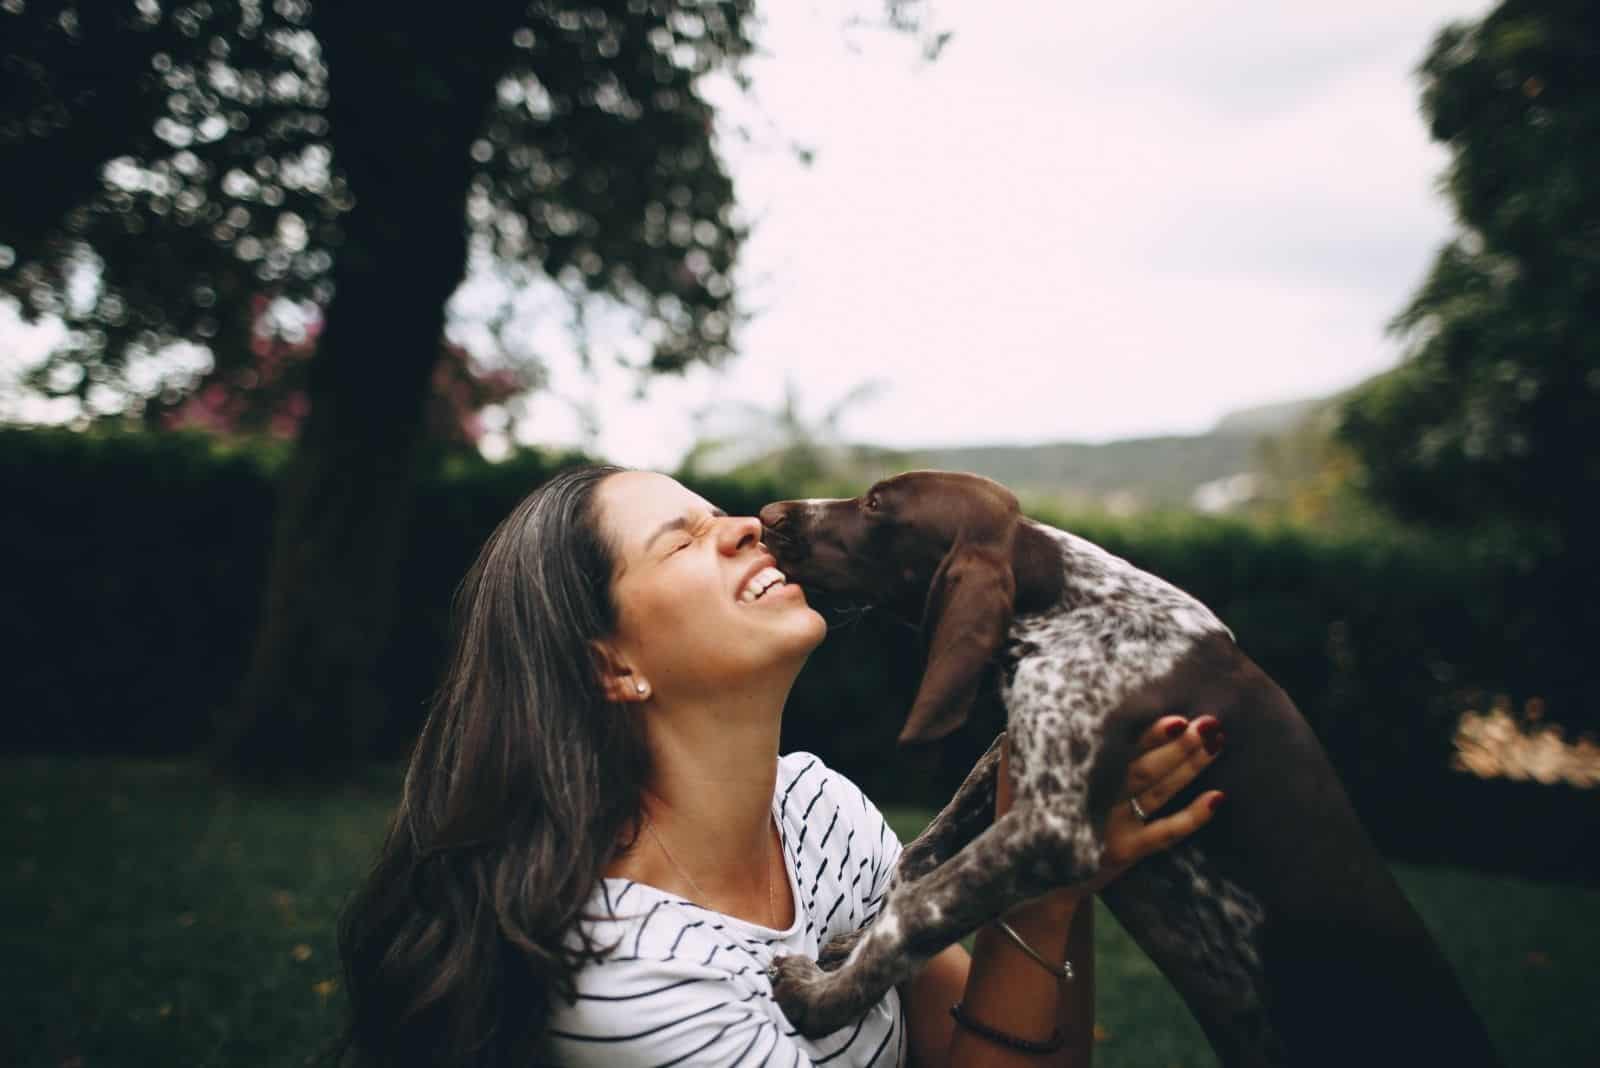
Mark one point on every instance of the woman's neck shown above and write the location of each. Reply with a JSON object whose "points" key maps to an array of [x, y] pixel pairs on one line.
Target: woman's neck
{"points": [[709, 802]]}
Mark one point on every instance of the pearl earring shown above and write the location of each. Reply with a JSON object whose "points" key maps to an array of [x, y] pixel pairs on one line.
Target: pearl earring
{"points": [[643, 688]]}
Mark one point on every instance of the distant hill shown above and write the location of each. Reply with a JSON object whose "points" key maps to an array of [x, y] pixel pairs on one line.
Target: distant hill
{"points": [[1215, 471], [1122, 476], [1266, 419]]}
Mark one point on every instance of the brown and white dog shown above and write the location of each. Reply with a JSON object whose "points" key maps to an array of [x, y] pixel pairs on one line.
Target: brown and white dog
{"points": [[1278, 923]]}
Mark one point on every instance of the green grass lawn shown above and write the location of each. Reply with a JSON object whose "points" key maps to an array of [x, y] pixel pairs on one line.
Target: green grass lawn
{"points": [[153, 918]]}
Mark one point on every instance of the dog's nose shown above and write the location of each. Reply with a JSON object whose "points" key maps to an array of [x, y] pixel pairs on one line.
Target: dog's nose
{"points": [[775, 514]]}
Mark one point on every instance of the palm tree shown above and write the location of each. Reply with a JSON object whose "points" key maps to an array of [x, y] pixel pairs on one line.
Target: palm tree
{"points": [[781, 442]]}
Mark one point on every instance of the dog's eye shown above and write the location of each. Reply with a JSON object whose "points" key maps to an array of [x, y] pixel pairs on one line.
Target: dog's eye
{"points": [[872, 502]]}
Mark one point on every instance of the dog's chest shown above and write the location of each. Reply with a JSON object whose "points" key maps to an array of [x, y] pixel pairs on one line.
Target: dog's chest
{"points": [[1063, 670]]}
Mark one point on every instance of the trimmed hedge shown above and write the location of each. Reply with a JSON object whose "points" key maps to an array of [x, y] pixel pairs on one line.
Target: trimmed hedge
{"points": [[137, 564]]}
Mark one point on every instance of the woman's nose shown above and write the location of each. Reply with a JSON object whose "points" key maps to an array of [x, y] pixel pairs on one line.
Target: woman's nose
{"points": [[739, 532]]}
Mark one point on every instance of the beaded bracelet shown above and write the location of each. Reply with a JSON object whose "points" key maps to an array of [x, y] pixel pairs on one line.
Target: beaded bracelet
{"points": [[1000, 1038]]}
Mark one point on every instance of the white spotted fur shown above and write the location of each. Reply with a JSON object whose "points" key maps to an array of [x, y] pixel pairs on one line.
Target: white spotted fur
{"points": [[1066, 683]]}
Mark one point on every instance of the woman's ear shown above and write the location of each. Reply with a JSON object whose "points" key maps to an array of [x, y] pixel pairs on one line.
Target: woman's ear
{"points": [[618, 681]]}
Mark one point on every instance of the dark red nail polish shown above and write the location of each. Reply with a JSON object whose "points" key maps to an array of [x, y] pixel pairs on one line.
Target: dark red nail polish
{"points": [[1175, 729], [1217, 800], [1211, 736]]}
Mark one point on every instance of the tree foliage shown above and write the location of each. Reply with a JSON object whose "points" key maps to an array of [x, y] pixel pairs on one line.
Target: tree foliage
{"points": [[170, 163], [179, 162], [1489, 422], [1488, 427]]}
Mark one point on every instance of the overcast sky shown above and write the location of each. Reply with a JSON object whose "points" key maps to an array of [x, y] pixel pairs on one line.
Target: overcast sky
{"points": [[1083, 222]]}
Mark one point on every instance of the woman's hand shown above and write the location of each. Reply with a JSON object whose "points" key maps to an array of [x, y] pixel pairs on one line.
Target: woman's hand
{"points": [[1170, 754]]}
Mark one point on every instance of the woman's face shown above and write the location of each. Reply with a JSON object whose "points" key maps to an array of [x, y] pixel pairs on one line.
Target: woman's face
{"points": [[687, 623]]}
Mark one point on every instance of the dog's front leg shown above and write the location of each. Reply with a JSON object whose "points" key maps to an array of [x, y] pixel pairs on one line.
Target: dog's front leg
{"points": [[1024, 854], [959, 822], [969, 812]]}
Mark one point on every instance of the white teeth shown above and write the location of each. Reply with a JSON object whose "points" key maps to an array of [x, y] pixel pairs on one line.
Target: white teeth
{"points": [[760, 583]]}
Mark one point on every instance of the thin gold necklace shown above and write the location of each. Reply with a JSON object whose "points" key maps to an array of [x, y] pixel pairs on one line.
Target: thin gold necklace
{"points": [[772, 909]]}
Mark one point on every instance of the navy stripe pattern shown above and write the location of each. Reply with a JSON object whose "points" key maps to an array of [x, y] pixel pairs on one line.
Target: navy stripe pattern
{"points": [[686, 986]]}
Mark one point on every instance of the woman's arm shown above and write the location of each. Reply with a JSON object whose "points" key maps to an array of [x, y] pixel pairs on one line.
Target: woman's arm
{"points": [[999, 986], [996, 980]]}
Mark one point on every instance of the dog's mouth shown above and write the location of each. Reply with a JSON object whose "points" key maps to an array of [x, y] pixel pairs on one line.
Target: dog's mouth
{"points": [[789, 550], [801, 564], [810, 555]]}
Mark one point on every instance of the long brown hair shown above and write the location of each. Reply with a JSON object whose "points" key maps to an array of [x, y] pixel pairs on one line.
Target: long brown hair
{"points": [[522, 783]]}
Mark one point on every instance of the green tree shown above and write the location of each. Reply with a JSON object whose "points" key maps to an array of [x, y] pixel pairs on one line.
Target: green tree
{"points": [[1491, 416], [1488, 425], [179, 160]]}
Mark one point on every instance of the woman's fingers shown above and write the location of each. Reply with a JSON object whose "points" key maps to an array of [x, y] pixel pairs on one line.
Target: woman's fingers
{"points": [[1200, 747], [1172, 753], [1161, 732], [1130, 839], [1167, 831], [1179, 750]]}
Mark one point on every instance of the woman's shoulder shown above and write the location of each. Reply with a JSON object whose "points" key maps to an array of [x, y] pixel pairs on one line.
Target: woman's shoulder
{"points": [[841, 850], [821, 806], [804, 780]]}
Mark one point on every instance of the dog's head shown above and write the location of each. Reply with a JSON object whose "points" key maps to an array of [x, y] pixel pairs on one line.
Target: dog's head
{"points": [[938, 540]]}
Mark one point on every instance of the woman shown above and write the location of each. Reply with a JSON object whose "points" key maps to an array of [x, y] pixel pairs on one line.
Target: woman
{"points": [[598, 848]]}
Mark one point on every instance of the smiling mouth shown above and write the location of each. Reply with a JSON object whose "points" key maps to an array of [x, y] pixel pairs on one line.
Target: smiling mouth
{"points": [[760, 584]]}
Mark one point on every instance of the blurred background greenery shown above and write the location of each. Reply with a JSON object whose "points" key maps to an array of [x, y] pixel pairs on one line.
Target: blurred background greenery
{"points": [[231, 566]]}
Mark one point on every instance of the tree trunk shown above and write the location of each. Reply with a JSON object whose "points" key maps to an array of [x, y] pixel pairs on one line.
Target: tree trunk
{"points": [[406, 102]]}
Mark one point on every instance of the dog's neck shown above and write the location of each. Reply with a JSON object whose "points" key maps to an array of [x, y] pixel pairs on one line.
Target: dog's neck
{"points": [[1037, 566], [1073, 572]]}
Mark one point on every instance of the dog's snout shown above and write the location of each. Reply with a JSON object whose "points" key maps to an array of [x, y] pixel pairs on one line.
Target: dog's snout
{"points": [[785, 533], [775, 514]]}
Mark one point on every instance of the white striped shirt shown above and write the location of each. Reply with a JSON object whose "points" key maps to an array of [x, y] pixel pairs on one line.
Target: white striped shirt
{"points": [[687, 986]]}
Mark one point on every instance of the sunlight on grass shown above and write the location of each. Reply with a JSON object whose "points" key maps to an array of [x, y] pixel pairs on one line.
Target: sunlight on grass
{"points": [[1495, 745]]}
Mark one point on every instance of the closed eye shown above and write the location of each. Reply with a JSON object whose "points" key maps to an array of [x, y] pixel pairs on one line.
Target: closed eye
{"points": [[682, 525], [690, 537]]}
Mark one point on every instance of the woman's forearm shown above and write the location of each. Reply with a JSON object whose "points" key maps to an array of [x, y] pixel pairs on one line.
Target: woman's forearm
{"points": [[1008, 991]]}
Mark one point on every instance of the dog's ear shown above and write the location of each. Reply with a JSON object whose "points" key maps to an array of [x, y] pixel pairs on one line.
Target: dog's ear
{"points": [[966, 619]]}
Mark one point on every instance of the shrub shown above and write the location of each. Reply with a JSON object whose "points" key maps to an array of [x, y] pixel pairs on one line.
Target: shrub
{"points": [[138, 560]]}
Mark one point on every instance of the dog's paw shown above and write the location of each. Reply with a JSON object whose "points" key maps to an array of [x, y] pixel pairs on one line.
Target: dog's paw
{"points": [[837, 951], [806, 996], [793, 978]]}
